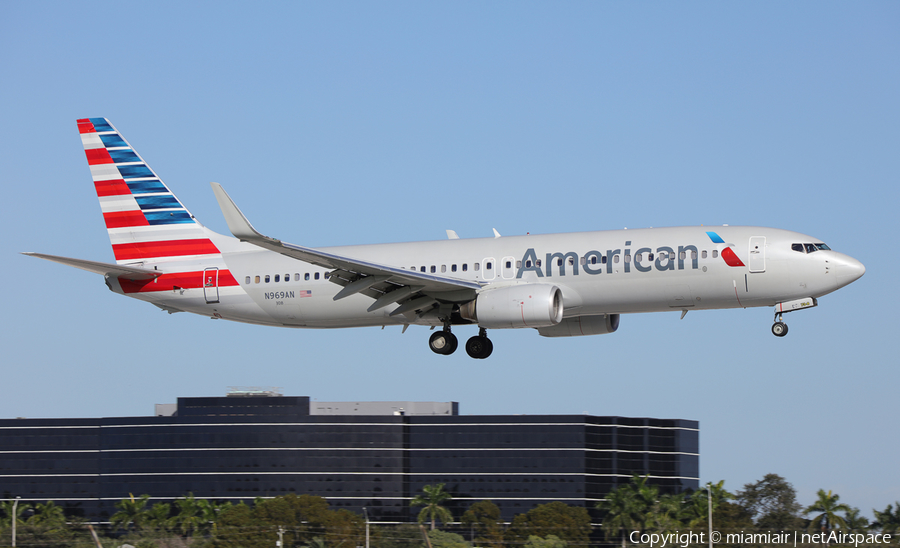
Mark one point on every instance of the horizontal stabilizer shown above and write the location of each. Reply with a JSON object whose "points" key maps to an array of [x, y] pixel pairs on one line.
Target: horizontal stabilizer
{"points": [[106, 269]]}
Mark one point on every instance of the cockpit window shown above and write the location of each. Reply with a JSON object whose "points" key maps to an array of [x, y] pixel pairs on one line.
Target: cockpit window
{"points": [[810, 248]]}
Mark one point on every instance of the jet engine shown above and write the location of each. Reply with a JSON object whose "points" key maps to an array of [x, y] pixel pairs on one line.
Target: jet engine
{"points": [[582, 325], [526, 305]]}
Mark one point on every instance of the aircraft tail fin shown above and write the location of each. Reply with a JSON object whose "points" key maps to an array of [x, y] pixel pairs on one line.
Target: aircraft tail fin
{"points": [[145, 221]]}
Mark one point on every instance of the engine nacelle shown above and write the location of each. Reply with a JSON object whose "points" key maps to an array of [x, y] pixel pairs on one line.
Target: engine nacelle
{"points": [[525, 305], [583, 325]]}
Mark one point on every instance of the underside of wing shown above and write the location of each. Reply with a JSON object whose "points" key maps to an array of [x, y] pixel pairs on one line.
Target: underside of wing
{"points": [[386, 284], [106, 269]]}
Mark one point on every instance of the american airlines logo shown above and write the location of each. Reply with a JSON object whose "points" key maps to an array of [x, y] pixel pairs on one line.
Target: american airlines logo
{"points": [[644, 259]]}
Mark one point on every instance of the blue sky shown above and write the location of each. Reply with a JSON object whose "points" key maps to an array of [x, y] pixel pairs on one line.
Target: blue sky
{"points": [[344, 123]]}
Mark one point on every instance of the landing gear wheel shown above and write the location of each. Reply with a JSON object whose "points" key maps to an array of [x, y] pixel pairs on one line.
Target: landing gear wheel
{"points": [[443, 342], [479, 347], [780, 329]]}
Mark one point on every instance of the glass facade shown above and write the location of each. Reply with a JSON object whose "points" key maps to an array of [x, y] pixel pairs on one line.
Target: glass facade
{"points": [[243, 448]]}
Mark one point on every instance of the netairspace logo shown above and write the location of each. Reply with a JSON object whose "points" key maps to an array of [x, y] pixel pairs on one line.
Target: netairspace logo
{"points": [[683, 540]]}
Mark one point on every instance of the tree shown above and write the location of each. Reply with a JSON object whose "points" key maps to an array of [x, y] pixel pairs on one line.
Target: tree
{"points": [[552, 541], [827, 505], [772, 502], [621, 512], [48, 514], [888, 521], [570, 523], [432, 500], [188, 517], [443, 539], [666, 513], [21, 508], [855, 522], [158, 516], [697, 514], [131, 512], [484, 519]]}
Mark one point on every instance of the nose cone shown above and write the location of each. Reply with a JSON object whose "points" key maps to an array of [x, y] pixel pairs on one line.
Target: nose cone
{"points": [[848, 270]]}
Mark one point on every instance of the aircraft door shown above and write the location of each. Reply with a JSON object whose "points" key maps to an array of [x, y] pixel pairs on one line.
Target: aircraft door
{"points": [[757, 254], [211, 285], [488, 268], [508, 268]]}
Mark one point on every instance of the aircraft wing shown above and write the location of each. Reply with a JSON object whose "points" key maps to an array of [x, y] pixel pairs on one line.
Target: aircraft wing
{"points": [[106, 269], [386, 284]]}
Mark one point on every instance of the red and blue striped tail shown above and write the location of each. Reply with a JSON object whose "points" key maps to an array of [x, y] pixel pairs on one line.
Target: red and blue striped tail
{"points": [[145, 221]]}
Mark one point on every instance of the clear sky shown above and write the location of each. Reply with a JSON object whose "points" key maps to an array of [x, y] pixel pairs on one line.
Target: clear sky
{"points": [[343, 123]]}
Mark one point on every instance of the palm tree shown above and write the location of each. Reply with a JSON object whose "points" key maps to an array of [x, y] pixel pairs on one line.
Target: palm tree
{"points": [[666, 513], [131, 512], [855, 522], [188, 517], [621, 515], [434, 497], [48, 514], [888, 521], [158, 516], [21, 508], [209, 513], [828, 507]]}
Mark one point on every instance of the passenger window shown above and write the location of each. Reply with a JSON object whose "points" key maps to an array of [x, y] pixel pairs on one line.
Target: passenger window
{"points": [[256, 279], [277, 278], [693, 255], [558, 262], [327, 275], [616, 258], [508, 264], [571, 261], [488, 266], [518, 264], [453, 268], [715, 253], [593, 259], [476, 266], [433, 269], [287, 277], [306, 276], [443, 268], [628, 257], [267, 278], [317, 276], [638, 257], [649, 256], [247, 281], [421, 269], [704, 254], [537, 263], [465, 267], [682, 255], [603, 260]]}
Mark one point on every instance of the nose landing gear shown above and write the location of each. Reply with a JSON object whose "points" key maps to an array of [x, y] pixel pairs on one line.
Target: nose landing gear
{"points": [[779, 329]]}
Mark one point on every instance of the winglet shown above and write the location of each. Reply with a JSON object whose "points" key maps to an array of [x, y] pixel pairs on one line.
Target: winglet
{"points": [[237, 223], [496, 234], [452, 235]]}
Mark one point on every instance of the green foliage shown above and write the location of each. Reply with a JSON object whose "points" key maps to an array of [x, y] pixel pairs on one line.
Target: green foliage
{"points": [[552, 541], [405, 535], [443, 539], [132, 512], [888, 520], [569, 523], [483, 519], [772, 502], [827, 505], [433, 498]]}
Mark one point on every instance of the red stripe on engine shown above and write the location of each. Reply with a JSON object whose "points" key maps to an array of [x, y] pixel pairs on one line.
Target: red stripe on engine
{"points": [[167, 248], [119, 219], [96, 156], [115, 187], [85, 126], [730, 258], [174, 282]]}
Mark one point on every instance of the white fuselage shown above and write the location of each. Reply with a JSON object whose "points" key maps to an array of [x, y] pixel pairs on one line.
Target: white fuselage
{"points": [[604, 272]]}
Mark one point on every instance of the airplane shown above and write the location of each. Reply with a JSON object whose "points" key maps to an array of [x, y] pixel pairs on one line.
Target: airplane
{"points": [[562, 285]]}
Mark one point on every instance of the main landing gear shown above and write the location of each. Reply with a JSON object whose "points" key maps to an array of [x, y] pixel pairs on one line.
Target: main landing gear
{"points": [[444, 342], [779, 329]]}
